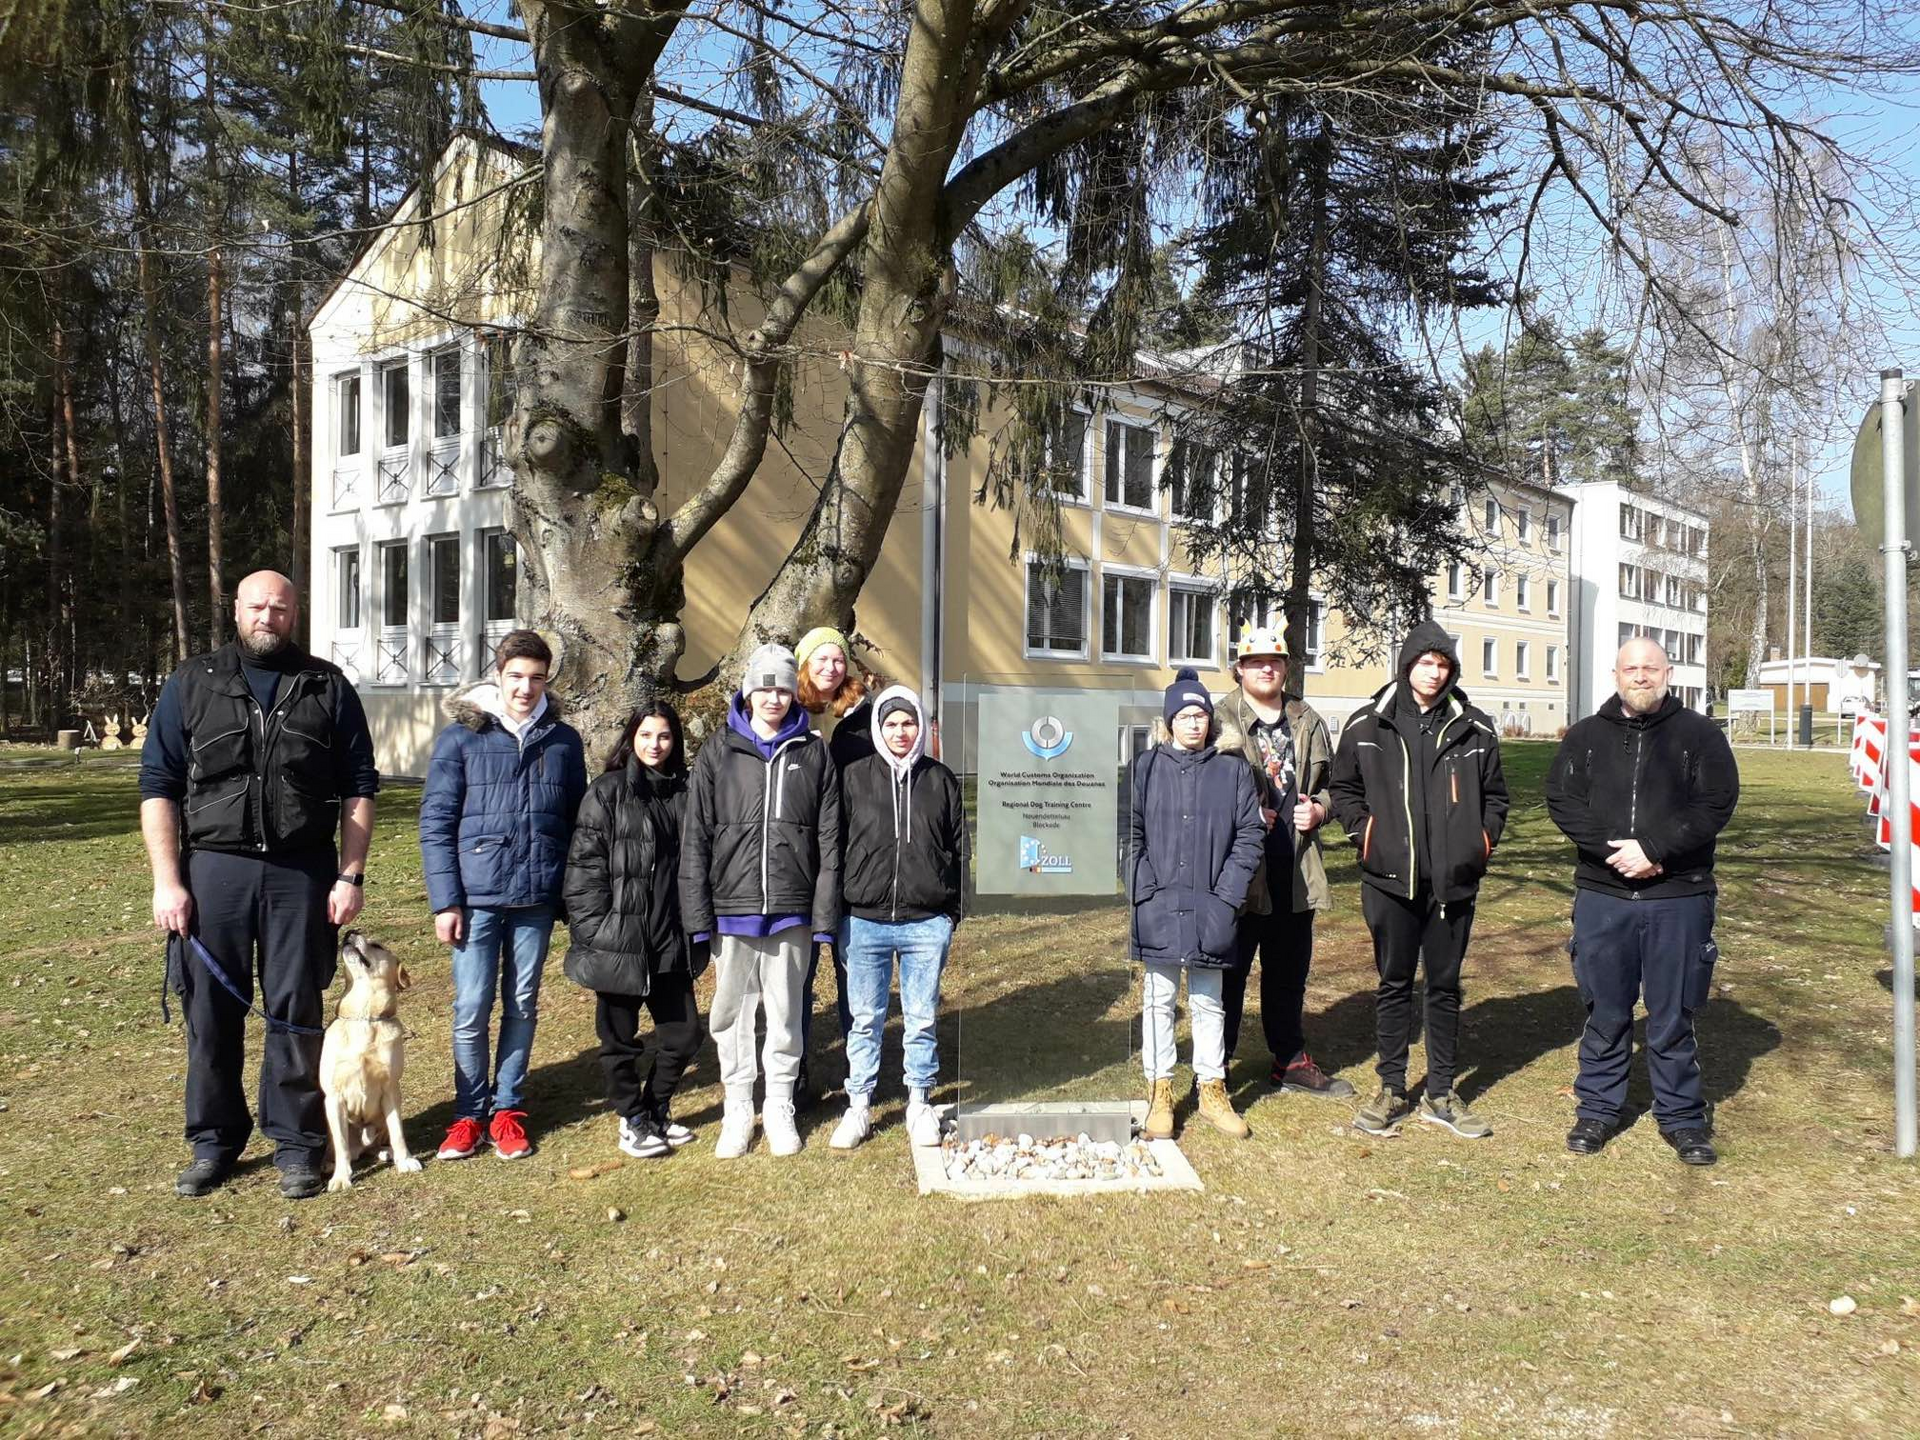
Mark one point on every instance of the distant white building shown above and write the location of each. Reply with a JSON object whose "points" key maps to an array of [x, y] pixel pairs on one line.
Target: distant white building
{"points": [[1639, 569], [1839, 685]]}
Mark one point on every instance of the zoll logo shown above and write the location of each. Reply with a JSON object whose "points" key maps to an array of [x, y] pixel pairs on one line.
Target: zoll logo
{"points": [[1038, 859]]}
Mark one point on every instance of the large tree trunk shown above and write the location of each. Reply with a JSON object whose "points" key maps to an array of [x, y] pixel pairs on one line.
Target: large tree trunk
{"points": [[150, 330], [51, 650], [215, 514], [298, 402], [1307, 481], [60, 592], [906, 282]]}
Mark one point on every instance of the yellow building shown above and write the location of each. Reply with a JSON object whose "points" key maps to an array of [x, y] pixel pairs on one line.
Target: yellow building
{"points": [[1507, 611], [414, 564]]}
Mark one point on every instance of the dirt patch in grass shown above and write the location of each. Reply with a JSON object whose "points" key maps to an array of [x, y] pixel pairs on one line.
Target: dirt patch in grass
{"points": [[1325, 1282]]}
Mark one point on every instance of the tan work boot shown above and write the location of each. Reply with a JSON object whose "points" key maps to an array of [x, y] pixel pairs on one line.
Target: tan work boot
{"points": [[1159, 1124], [1217, 1107]]}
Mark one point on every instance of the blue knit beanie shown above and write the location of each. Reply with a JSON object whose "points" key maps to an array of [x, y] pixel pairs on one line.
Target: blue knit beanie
{"points": [[1186, 691]]}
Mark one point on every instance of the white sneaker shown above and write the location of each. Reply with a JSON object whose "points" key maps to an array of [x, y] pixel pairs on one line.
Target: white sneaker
{"points": [[776, 1118], [736, 1130], [642, 1141], [855, 1126], [676, 1133], [923, 1123]]}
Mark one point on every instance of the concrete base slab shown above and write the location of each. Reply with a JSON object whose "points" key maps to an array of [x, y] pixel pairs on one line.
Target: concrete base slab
{"points": [[930, 1171]]}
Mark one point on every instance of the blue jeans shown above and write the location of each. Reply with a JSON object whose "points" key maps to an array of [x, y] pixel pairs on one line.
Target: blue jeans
{"points": [[504, 950], [871, 945]]}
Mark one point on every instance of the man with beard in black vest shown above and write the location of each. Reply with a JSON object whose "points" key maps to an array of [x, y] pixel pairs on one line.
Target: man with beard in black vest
{"points": [[256, 755], [1642, 788]]}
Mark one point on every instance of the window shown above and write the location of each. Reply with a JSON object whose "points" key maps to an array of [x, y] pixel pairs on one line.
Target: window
{"points": [[1492, 517], [1067, 454], [1456, 580], [1246, 614], [1489, 657], [443, 632], [1627, 632], [1316, 632], [1629, 582], [446, 392], [1249, 495], [1520, 592], [1522, 659], [1673, 591], [346, 389], [1490, 588], [499, 591], [1056, 609], [1126, 617], [1553, 597], [1553, 532], [395, 403], [1553, 664], [1129, 465], [1630, 519], [1696, 649], [1190, 625], [1523, 525], [1190, 478], [346, 588], [390, 661]]}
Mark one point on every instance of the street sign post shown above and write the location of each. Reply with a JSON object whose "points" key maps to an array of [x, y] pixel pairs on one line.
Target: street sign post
{"points": [[1898, 470]]}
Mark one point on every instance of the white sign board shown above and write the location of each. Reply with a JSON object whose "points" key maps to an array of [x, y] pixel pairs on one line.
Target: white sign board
{"points": [[1739, 700]]}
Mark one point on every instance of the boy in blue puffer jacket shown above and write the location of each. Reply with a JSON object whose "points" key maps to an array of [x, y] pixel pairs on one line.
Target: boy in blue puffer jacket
{"points": [[503, 787]]}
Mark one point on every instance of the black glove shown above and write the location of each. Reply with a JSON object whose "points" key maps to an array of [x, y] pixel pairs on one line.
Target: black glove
{"points": [[699, 956]]}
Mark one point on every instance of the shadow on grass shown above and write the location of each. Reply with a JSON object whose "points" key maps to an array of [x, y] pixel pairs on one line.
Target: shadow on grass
{"points": [[1885, 977]]}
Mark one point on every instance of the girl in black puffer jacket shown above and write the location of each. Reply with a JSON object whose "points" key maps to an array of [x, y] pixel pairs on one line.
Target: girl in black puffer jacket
{"points": [[623, 904]]}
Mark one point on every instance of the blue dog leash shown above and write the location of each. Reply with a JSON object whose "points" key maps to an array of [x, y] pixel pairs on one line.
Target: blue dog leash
{"points": [[212, 967]]}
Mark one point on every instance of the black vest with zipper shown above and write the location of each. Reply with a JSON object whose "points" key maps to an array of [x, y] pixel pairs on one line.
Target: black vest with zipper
{"points": [[260, 783]]}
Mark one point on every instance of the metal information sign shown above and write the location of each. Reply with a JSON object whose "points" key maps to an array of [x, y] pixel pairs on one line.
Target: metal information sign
{"points": [[1049, 789], [1754, 700]]}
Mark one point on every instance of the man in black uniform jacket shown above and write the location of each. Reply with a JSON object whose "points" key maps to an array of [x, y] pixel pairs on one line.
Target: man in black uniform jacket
{"points": [[1642, 788], [255, 755]]}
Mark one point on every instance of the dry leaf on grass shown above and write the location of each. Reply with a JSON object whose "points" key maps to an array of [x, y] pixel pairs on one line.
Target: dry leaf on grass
{"points": [[594, 1172]]}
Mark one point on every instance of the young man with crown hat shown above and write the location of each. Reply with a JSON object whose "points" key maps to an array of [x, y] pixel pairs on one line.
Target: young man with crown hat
{"points": [[1285, 741]]}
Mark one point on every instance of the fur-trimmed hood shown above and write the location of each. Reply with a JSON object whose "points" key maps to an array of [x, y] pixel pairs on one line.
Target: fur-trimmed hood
{"points": [[478, 706], [1222, 734]]}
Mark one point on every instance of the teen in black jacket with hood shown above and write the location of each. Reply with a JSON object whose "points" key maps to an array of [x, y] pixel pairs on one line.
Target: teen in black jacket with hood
{"points": [[1417, 785], [623, 905]]}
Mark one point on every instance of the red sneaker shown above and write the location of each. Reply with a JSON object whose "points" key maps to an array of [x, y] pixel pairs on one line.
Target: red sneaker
{"points": [[464, 1137], [509, 1135]]}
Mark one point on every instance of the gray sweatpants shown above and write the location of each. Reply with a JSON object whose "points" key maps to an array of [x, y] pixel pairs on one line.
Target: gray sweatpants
{"points": [[747, 971]]}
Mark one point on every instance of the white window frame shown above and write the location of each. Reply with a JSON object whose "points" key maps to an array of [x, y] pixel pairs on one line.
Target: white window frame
{"points": [[349, 467], [1553, 664], [1194, 587], [1151, 580], [1026, 612], [1210, 478], [1522, 600], [1489, 658], [1523, 524], [1084, 498], [1556, 534], [492, 631], [1456, 581], [1490, 589], [1115, 419], [392, 646], [393, 477], [445, 448], [1490, 516], [1553, 597], [349, 640], [442, 662], [1316, 656], [1522, 660]]}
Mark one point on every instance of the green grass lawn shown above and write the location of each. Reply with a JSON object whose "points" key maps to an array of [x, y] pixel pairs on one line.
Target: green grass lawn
{"points": [[1325, 1282]]}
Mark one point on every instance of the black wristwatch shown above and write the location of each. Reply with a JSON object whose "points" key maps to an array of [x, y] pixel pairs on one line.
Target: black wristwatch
{"points": [[345, 879]]}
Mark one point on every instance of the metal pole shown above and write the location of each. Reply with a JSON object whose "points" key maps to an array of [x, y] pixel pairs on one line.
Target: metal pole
{"points": [[1806, 630], [1906, 1129], [1793, 574]]}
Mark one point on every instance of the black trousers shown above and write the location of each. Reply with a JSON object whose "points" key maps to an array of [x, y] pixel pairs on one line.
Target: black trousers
{"points": [[261, 918], [1284, 943], [1624, 948], [1405, 932], [677, 1033]]}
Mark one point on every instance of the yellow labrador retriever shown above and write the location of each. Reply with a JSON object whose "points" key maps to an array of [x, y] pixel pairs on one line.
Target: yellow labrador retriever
{"points": [[362, 1056]]}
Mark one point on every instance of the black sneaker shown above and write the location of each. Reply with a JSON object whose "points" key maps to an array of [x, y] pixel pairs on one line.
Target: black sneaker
{"points": [[1588, 1137], [1692, 1144], [1303, 1077], [202, 1177], [300, 1181]]}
